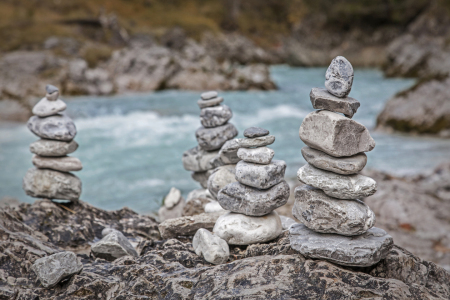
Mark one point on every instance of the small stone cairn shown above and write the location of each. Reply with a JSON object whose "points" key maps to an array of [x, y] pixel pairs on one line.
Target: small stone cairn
{"points": [[260, 189], [336, 226], [51, 177]]}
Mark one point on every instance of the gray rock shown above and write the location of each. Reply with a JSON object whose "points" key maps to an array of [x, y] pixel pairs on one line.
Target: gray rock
{"points": [[342, 165], [107, 230], [325, 214], [209, 103], [198, 160], [113, 246], [228, 152], [52, 92], [199, 193], [256, 142], [338, 136], [213, 249], [260, 176], [45, 107], [63, 163], [44, 183], [209, 95], [338, 186], [58, 127], [322, 99], [215, 116], [260, 155], [52, 269], [238, 229], [53, 148], [213, 138], [202, 177], [339, 77], [359, 251], [253, 132], [187, 226], [176, 211], [213, 207], [287, 222], [249, 201], [172, 198], [221, 177]]}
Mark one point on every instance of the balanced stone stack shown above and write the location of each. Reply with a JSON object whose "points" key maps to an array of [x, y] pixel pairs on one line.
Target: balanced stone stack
{"points": [[336, 226], [51, 178], [260, 189]]}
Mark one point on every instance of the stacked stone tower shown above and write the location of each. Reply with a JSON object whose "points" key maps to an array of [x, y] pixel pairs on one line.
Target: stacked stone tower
{"points": [[336, 226], [259, 190], [51, 178]]}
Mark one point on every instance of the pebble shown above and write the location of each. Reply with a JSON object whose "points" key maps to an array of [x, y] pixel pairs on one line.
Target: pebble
{"points": [[215, 116], [58, 127], [228, 152], [172, 198], [213, 138], [45, 107], [209, 103], [53, 148], [113, 246], [187, 226], [209, 95], [256, 142], [198, 160], [253, 132], [176, 211], [221, 177], [260, 176], [261, 155], [322, 99], [339, 77], [52, 92], [63, 163], [213, 249], [202, 177]]}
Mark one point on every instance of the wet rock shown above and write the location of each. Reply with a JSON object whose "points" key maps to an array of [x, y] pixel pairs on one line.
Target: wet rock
{"points": [[338, 136], [286, 222], [253, 132], [63, 164], [213, 207], [187, 226], [213, 249], [256, 142], [202, 177], [322, 99], [58, 127], [260, 155], [114, 245], [260, 176], [172, 198], [221, 177], [339, 77], [213, 138], [45, 107], [176, 211], [228, 152], [209, 103], [209, 95], [198, 160], [53, 148], [215, 116]]}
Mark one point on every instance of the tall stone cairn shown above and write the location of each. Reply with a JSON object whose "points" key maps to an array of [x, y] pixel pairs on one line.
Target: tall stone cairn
{"points": [[336, 226], [51, 177], [251, 200]]}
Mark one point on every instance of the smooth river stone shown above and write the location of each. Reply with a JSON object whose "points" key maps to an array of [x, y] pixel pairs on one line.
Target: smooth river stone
{"points": [[261, 155], [336, 185], [359, 251], [44, 183], [260, 176], [198, 160], [213, 249], [52, 92], [114, 245], [340, 165], [325, 214], [239, 229], [228, 152], [213, 138], [253, 132], [322, 99], [45, 107], [215, 116], [53, 148], [257, 141], [249, 201], [339, 77], [221, 177], [209, 95], [335, 134], [63, 163], [58, 127], [209, 103]]}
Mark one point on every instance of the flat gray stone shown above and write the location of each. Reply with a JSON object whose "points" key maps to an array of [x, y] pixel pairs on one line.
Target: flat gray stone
{"points": [[63, 163], [215, 116], [238, 229], [113, 246], [58, 127], [53, 148], [213, 249], [187, 226], [50, 184], [339, 77], [322, 99], [209, 103], [338, 186], [176, 211], [52, 269], [260, 155], [172, 198], [253, 132], [359, 251], [325, 214], [209, 95], [213, 138], [340, 165], [334, 134], [256, 142], [45, 107], [260, 176], [52, 92], [198, 159], [249, 201], [228, 152], [202, 177], [221, 177]]}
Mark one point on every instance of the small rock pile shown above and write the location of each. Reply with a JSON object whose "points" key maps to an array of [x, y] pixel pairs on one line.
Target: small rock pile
{"points": [[173, 205], [336, 225], [259, 190], [52, 178]]}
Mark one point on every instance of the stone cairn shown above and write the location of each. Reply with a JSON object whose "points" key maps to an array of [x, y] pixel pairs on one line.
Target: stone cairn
{"points": [[51, 178], [336, 226], [259, 190]]}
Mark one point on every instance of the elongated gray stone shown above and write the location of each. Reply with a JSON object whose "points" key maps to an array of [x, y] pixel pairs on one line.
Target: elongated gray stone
{"points": [[58, 127], [213, 138], [336, 185], [187, 226], [44, 147], [221, 177], [228, 152], [44, 183], [202, 177], [325, 214], [213, 249], [253, 132], [322, 99], [249, 201], [209, 103], [340, 165], [359, 251], [45, 107], [260, 141], [260, 155], [260, 176], [334, 134], [114, 245], [198, 160], [215, 116], [52, 269], [339, 77], [63, 163], [209, 95]]}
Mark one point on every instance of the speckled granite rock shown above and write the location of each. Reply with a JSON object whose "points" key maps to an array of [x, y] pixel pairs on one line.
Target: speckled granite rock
{"points": [[53, 148], [260, 155], [198, 160], [215, 116], [221, 177], [260, 176], [339, 77], [58, 127], [228, 152], [214, 138]]}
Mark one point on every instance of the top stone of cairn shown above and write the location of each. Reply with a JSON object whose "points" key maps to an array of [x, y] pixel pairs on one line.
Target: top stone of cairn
{"points": [[52, 92], [253, 132], [209, 95], [339, 77]]}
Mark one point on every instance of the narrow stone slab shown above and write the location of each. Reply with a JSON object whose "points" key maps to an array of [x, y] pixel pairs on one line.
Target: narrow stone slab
{"points": [[322, 99], [334, 134], [45, 107], [63, 163], [209, 103], [339, 77], [221, 177], [257, 141], [213, 249], [325, 214], [253, 132], [260, 176], [113, 246], [228, 152], [249, 201], [187, 226], [261, 155], [213, 138], [198, 160], [359, 251], [58, 127], [342, 165], [337, 186], [215, 116], [53, 148], [209, 95]]}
